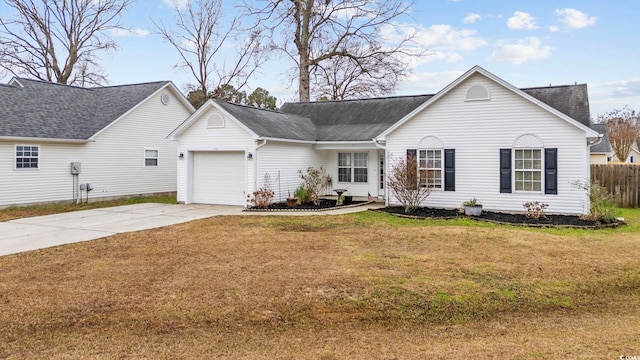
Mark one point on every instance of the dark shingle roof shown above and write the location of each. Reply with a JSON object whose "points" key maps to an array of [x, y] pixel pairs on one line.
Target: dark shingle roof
{"points": [[46, 110], [604, 146], [364, 119], [271, 124], [571, 100], [355, 120]]}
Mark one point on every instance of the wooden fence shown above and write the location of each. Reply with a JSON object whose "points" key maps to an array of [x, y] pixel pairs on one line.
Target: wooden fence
{"points": [[622, 181]]}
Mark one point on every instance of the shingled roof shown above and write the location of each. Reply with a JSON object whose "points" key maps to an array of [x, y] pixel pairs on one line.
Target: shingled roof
{"points": [[364, 119], [37, 109], [355, 120], [571, 100], [604, 147]]}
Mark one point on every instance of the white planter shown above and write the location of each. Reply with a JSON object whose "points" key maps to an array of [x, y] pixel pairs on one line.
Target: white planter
{"points": [[473, 210]]}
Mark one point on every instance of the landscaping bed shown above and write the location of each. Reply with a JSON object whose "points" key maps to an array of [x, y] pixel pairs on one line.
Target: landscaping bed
{"points": [[323, 204], [503, 218]]}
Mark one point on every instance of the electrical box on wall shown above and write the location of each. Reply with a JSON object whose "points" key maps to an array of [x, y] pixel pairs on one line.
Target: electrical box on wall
{"points": [[75, 168]]}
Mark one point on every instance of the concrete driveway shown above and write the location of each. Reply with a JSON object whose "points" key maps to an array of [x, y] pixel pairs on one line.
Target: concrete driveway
{"points": [[52, 230]]}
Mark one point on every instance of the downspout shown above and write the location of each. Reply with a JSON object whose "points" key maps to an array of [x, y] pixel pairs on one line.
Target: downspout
{"points": [[376, 142]]}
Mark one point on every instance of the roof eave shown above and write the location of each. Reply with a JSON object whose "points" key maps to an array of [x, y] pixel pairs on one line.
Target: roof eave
{"points": [[50, 140]]}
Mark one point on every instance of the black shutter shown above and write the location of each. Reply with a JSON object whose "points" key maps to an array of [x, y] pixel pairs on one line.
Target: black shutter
{"points": [[505, 170], [412, 167], [449, 169], [551, 171]]}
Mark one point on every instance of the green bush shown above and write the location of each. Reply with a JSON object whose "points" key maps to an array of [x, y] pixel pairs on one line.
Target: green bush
{"points": [[302, 195], [601, 204]]}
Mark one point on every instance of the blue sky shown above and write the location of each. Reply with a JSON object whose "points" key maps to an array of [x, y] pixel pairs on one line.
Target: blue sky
{"points": [[525, 42]]}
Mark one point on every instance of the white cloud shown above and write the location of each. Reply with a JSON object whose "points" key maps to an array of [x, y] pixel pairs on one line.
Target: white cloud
{"points": [[129, 32], [180, 4], [471, 18], [554, 28], [575, 19], [523, 50], [521, 20], [443, 42], [604, 97]]}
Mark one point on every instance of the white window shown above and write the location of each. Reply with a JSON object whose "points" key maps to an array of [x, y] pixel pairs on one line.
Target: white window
{"points": [[150, 157], [353, 167], [528, 170], [430, 168], [27, 156]]}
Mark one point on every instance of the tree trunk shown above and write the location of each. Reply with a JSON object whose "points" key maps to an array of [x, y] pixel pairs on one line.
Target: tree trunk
{"points": [[303, 79]]}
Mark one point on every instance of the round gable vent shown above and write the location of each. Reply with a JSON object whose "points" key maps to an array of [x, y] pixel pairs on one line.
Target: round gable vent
{"points": [[165, 98]]}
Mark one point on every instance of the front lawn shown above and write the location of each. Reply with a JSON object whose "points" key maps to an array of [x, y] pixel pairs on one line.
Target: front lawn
{"points": [[360, 286]]}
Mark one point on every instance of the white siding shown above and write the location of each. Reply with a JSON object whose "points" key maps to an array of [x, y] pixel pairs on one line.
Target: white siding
{"points": [[477, 130], [353, 188], [198, 137], [285, 160], [113, 164]]}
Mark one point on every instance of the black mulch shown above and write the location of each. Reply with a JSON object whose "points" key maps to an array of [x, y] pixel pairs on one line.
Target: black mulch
{"points": [[323, 204], [503, 218]]}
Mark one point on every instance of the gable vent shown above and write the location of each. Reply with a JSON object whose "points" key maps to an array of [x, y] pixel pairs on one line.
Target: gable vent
{"points": [[477, 92], [215, 121], [165, 98]]}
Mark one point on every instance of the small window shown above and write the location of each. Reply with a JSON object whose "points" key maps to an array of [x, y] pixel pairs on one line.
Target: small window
{"points": [[477, 92], [430, 168], [151, 157], [353, 167], [528, 170], [215, 121], [27, 156]]}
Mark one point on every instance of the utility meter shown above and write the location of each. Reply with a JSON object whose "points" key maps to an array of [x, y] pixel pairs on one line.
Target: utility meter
{"points": [[75, 168]]}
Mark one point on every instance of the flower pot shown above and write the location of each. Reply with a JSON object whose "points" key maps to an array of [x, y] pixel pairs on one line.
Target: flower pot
{"points": [[348, 200], [292, 202], [475, 210]]}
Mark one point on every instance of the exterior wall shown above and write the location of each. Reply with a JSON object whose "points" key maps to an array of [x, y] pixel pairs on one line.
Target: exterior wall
{"points": [[598, 159], [353, 188], [477, 130], [282, 161], [198, 137], [113, 164]]}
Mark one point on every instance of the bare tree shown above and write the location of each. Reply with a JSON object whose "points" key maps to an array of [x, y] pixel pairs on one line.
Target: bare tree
{"points": [[201, 36], [341, 78], [623, 129], [316, 31], [403, 182], [59, 40]]}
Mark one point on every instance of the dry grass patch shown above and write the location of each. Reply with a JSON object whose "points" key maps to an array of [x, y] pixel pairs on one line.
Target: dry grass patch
{"points": [[358, 286]]}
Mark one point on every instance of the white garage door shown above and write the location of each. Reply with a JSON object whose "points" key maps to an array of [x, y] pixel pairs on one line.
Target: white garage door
{"points": [[218, 178]]}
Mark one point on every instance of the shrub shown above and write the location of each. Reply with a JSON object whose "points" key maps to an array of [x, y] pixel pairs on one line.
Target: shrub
{"points": [[302, 195], [314, 182], [403, 183], [261, 198], [601, 205], [535, 209]]}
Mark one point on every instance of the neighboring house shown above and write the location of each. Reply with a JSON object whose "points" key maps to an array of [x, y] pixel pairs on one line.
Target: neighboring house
{"points": [[601, 153], [478, 137], [115, 135], [634, 156]]}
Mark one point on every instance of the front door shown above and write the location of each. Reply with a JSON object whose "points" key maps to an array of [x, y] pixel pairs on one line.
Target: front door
{"points": [[381, 173]]}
